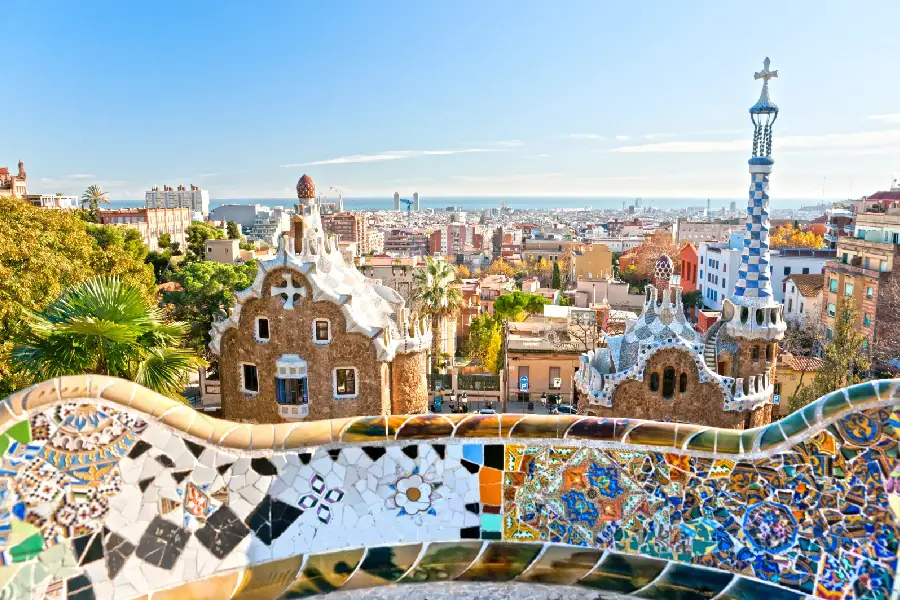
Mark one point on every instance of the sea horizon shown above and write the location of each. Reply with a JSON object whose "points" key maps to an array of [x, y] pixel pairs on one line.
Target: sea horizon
{"points": [[515, 202]]}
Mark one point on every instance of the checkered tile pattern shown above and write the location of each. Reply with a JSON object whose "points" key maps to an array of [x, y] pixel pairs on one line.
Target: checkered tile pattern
{"points": [[754, 284]]}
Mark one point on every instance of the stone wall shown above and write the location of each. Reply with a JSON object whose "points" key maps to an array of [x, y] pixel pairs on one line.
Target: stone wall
{"points": [[409, 384], [701, 403], [110, 491], [291, 332]]}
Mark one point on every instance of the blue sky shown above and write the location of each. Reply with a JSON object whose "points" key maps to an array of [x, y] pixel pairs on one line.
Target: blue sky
{"points": [[508, 97]]}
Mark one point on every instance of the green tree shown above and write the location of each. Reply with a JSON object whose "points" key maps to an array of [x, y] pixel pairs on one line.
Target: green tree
{"points": [[91, 199], [485, 342], [161, 263], [197, 234], [123, 254], [207, 288], [438, 299], [516, 306], [692, 300], [164, 241], [43, 252], [845, 360], [234, 231], [556, 282], [105, 326]]}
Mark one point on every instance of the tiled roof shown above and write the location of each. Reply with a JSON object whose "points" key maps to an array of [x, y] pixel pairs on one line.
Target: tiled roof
{"points": [[809, 285], [800, 363], [885, 196]]}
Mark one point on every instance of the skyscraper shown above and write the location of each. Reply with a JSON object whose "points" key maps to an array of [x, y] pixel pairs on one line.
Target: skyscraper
{"points": [[396, 200]]}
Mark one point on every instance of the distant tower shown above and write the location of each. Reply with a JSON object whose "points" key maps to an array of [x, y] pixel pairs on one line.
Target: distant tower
{"points": [[733, 207], [416, 201], [22, 174], [396, 200], [752, 317], [708, 207], [340, 205], [307, 217]]}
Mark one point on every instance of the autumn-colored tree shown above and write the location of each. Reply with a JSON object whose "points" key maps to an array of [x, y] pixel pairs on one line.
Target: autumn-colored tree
{"points": [[542, 269], [645, 255], [43, 252], [501, 267], [485, 342], [462, 272], [788, 236]]}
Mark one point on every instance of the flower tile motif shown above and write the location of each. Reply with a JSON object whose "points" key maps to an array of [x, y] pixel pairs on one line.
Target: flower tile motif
{"points": [[413, 495], [321, 499]]}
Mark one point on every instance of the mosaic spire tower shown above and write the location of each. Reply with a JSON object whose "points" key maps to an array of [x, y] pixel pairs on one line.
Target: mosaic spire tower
{"points": [[754, 285]]}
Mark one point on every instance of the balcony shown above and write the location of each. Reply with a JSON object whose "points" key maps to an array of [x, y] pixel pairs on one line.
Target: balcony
{"points": [[851, 269], [293, 411]]}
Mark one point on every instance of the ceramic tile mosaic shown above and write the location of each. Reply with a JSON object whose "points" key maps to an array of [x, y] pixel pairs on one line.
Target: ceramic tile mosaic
{"points": [[100, 499]]}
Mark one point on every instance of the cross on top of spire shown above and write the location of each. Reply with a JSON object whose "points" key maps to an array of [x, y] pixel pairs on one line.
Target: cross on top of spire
{"points": [[765, 74]]}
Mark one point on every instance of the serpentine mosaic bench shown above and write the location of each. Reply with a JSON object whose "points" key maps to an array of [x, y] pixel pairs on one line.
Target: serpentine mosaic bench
{"points": [[111, 491]]}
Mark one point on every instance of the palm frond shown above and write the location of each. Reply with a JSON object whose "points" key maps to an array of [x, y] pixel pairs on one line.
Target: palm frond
{"points": [[166, 370]]}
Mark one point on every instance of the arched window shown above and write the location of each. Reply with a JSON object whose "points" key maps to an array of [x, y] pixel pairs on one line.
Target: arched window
{"points": [[768, 351], [682, 383], [760, 316], [755, 352], [745, 312], [654, 382], [668, 382]]}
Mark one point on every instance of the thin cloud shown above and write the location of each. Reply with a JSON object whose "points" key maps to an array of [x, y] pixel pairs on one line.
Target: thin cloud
{"points": [[518, 177], [849, 141], [508, 144], [538, 156], [623, 138], [586, 136], [80, 176], [387, 155], [886, 118], [208, 174]]}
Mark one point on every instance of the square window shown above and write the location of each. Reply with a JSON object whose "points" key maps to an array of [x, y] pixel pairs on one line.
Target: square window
{"points": [[262, 329], [848, 289], [832, 285], [787, 271], [291, 391], [345, 382], [250, 378], [870, 293], [867, 320], [806, 270], [832, 310], [321, 331]]}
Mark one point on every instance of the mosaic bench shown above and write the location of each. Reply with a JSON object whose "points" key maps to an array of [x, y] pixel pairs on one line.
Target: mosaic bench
{"points": [[109, 490]]}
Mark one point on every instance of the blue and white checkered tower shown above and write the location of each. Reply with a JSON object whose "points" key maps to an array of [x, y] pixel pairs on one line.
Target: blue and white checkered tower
{"points": [[754, 285]]}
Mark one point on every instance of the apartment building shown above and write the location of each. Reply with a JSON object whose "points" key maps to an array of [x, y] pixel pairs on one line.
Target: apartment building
{"points": [[718, 266], [550, 248], [593, 261], [862, 268], [838, 224], [349, 227], [193, 198], [152, 223], [705, 231], [451, 239], [690, 264], [407, 241], [56, 201], [270, 223], [399, 274]]}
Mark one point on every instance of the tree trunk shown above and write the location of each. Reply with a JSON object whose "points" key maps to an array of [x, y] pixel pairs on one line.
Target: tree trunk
{"points": [[435, 343]]}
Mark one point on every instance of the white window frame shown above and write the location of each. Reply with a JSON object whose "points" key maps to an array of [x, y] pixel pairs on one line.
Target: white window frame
{"points": [[243, 383], [318, 341], [259, 339], [355, 381]]}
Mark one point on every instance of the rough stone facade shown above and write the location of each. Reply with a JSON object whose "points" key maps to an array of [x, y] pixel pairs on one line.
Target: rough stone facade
{"points": [[409, 384], [291, 332], [700, 403]]}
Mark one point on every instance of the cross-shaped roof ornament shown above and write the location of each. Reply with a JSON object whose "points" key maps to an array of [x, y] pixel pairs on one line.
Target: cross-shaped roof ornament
{"points": [[288, 292], [765, 74]]}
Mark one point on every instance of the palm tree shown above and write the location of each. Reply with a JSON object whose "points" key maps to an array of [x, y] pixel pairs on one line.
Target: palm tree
{"points": [[93, 197], [435, 297], [105, 326]]}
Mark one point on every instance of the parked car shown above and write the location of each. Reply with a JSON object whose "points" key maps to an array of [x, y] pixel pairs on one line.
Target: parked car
{"points": [[565, 409], [487, 411]]}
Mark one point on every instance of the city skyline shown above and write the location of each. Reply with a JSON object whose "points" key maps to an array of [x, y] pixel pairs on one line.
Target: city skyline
{"points": [[578, 100]]}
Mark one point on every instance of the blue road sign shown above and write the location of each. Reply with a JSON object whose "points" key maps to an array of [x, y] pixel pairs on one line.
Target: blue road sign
{"points": [[523, 383]]}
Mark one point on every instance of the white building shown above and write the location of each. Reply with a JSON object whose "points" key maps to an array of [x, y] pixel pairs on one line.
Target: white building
{"points": [[718, 264], [52, 201], [803, 298], [270, 223], [181, 197], [242, 214], [698, 232], [619, 244]]}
